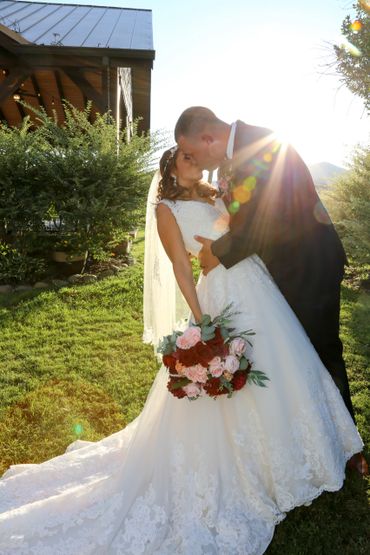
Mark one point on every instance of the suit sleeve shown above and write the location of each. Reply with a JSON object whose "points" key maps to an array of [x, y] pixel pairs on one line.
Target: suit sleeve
{"points": [[280, 211]]}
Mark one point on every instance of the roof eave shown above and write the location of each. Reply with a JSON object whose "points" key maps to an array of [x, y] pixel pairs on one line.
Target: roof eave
{"points": [[84, 50]]}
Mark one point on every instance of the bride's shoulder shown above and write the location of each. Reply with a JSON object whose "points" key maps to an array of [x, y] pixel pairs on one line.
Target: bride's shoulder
{"points": [[165, 202], [173, 205]]}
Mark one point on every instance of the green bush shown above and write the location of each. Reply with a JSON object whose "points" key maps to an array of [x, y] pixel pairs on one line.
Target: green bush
{"points": [[15, 267], [90, 187]]}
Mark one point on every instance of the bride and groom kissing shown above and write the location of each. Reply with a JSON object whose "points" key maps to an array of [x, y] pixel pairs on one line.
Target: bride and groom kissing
{"points": [[277, 214], [213, 476]]}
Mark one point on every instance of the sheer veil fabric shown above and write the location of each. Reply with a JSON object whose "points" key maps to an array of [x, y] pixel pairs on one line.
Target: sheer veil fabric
{"points": [[165, 308]]}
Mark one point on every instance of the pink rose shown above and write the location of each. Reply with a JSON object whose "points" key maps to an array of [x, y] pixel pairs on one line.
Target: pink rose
{"points": [[237, 346], [231, 364], [196, 373], [192, 390], [216, 367], [189, 338]]}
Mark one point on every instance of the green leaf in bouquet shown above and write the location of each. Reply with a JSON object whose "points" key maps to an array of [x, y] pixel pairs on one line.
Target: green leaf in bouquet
{"points": [[226, 315], [206, 319], [168, 344], [208, 332], [224, 332], [226, 384], [180, 383], [244, 362], [246, 333], [258, 378]]}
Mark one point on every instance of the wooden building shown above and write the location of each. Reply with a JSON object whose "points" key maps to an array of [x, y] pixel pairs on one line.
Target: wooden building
{"points": [[50, 52]]}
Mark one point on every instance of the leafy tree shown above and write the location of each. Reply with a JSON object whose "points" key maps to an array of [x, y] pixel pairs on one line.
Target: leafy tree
{"points": [[353, 56], [348, 202]]}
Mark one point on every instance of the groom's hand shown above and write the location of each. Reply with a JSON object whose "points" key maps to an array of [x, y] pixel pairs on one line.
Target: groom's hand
{"points": [[207, 259]]}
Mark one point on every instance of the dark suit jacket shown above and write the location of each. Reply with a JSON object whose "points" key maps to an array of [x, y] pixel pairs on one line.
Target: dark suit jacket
{"points": [[277, 214]]}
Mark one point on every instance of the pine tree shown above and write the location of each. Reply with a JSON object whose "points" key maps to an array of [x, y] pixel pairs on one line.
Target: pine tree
{"points": [[348, 202]]}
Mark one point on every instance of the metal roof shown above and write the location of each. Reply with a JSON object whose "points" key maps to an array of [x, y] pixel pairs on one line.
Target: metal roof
{"points": [[76, 25]]}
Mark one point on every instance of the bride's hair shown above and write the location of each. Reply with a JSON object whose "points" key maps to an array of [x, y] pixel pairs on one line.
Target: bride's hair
{"points": [[171, 189]]}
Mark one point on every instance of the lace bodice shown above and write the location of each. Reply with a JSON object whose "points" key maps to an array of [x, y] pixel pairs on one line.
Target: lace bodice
{"points": [[199, 218]]}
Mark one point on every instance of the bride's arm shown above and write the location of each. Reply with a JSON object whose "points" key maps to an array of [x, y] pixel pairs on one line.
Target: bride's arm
{"points": [[173, 244]]}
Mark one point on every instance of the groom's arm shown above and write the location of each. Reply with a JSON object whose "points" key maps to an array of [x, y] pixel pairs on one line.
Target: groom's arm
{"points": [[278, 212], [236, 245]]}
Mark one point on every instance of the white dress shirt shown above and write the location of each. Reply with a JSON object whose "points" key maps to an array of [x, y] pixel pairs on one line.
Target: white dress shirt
{"points": [[230, 144]]}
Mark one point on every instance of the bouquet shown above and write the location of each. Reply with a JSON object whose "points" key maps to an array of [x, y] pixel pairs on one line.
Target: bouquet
{"points": [[209, 359]]}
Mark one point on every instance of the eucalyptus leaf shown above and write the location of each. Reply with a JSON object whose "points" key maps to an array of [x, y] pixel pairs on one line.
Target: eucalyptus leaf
{"points": [[243, 363], [180, 383]]}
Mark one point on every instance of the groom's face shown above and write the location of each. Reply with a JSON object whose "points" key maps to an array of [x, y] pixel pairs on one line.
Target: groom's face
{"points": [[206, 151]]}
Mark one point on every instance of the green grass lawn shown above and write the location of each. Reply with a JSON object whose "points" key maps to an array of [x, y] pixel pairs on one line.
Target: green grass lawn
{"points": [[72, 365]]}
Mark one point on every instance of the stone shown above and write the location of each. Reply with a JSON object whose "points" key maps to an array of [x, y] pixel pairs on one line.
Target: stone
{"points": [[82, 278], [19, 288], [75, 278], [115, 268], [41, 285], [59, 282], [106, 273], [5, 289], [89, 278]]}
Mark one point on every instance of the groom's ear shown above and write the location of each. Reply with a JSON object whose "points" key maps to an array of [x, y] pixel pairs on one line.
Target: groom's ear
{"points": [[206, 138]]}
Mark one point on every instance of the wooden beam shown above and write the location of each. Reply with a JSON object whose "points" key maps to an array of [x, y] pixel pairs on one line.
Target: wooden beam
{"points": [[81, 60], [87, 89], [141, 96], [74, 51], [38, 94], [59, 83], [7, 59], [13, 36], [13, 81]]}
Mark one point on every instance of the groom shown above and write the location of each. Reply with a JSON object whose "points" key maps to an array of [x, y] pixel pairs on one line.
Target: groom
{"points": [[277, 214]]}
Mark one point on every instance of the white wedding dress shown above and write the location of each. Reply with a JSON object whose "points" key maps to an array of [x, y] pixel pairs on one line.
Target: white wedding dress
{"points": [[196, 477]]}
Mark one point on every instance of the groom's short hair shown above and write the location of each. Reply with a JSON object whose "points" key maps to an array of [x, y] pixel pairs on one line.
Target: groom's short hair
{"points": [[194, 120]]}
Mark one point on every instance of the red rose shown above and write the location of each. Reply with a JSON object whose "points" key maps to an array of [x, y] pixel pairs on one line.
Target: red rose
{"points": [[188, 357], [176, 391], [169, 361], [218, 339], [220, 348], [205, 353], [212, 387], [239, 379]]}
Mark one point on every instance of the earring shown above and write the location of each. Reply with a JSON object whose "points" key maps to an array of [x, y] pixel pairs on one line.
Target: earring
{"points": [[174, 180]]}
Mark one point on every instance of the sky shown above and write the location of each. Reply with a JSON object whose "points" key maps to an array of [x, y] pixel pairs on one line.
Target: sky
{"points": [[263, 61]]}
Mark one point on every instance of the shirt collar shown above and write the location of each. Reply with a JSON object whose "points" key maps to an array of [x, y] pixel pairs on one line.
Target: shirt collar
{"points": [[230, 144]]}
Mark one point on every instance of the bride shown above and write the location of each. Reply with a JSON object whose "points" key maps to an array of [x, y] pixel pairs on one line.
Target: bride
{"points": [[204, 477]]}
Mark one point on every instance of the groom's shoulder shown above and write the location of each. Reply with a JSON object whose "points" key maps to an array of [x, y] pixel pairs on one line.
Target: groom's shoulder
{"points": [[250, 133]]}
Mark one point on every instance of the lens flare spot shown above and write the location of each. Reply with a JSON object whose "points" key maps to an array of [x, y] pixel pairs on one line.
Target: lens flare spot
{"points": [[241, 194], [356, 26], [78, 429], [234, 207], [249, 183], [267, 157], [321, 214]]}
